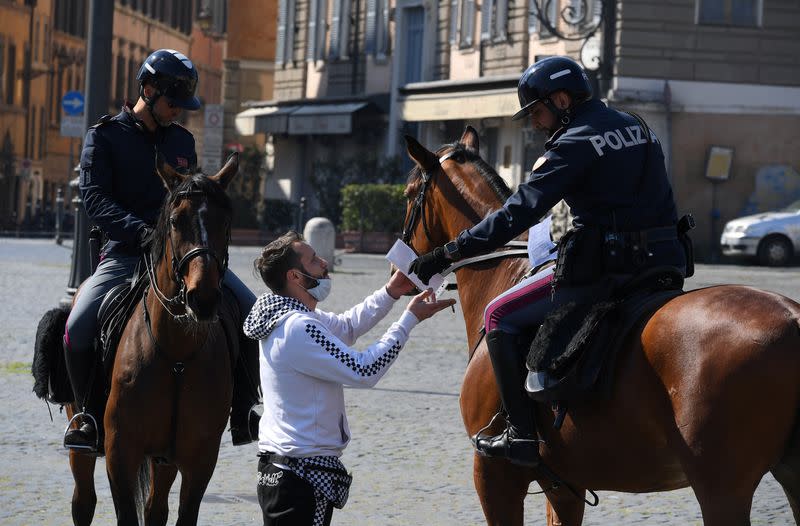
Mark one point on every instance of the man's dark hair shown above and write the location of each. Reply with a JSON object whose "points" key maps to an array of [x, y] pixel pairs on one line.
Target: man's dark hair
{"points": [[276, 259]]}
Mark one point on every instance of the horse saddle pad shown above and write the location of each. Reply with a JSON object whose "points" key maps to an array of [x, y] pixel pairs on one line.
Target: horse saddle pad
{"points": [[578, 341]]}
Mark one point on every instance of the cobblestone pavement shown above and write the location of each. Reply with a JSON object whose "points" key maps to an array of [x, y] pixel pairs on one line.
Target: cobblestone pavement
{"points": [[410, 456]]}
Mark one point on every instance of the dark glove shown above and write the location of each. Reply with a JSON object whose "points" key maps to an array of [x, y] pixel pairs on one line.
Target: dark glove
{"points": [[143, 236], [429, 264]]}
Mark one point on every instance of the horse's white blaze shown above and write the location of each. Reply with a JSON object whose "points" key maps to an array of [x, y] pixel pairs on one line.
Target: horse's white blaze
{"points": [[201, 220]]}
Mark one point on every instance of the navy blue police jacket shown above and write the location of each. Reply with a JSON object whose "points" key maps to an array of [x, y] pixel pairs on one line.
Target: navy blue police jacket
{"points": [[597, 165], [118, 181]]}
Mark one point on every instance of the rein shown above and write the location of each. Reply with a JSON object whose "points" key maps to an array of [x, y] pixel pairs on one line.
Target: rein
{"points": [[515, 249], [178, 266], [179, 300]]}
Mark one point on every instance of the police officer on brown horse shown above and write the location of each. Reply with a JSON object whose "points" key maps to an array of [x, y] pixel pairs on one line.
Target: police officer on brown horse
{"points": [[123, 195], [609, 168]]}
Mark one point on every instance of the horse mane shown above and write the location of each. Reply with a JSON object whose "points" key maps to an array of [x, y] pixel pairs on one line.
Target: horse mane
{"points": [[196, 183], [489, 174]]}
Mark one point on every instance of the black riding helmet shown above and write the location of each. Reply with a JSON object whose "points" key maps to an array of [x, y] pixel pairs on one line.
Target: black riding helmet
{"points": [[547, 76], [173, 76]]}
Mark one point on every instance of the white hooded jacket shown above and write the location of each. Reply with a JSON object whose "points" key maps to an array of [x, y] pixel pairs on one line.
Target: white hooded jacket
{"points": [[306, 359]]}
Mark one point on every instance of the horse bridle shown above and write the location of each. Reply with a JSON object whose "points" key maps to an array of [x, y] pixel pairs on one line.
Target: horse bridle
{"points": [[178, 265], [515, 248]]}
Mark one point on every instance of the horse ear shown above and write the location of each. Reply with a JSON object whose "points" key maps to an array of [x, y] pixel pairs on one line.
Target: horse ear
{"points": [[426, 159], [470, 139], [227, 172], [167, 173]]}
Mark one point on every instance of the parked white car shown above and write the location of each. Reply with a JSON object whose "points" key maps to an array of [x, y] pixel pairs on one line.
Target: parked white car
{"points": [[772, 237]]}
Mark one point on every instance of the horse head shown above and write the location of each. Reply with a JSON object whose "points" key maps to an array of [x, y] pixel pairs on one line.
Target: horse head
{"points": [[193, 233], [448, 190]]}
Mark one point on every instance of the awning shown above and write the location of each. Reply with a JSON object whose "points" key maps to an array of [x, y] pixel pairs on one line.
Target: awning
{"points": [[267, 119], [307, 119], [324, 119], [459, 105]]}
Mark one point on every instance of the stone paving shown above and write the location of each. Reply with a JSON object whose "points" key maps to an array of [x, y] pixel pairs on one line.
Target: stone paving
{"points": [[410, 456]]}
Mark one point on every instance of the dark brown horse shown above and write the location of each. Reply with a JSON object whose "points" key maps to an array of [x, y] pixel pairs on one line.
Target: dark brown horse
{"points": [[170, 386], [706, 393]]}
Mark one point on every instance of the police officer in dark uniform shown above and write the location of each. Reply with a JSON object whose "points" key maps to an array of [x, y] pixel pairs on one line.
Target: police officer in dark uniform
{"points": [[123, 195], [609, 168]]}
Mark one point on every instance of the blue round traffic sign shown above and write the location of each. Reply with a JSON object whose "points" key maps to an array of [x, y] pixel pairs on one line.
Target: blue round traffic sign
{"points": [[72, 103]]}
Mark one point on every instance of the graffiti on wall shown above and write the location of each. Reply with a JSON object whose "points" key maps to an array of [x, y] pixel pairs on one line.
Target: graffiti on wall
{"points": [[776, 187]]}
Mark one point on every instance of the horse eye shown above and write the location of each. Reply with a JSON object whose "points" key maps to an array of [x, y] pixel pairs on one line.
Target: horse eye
{"points": [[173, 222]]}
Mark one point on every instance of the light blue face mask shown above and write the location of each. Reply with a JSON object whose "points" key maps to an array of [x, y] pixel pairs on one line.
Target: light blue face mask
{"points": [[321, 290]]}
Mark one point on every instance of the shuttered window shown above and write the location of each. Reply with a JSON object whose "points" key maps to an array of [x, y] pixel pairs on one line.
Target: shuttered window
{"points": [[494, 20], [284, 45], [377, 33], [340, 30]]}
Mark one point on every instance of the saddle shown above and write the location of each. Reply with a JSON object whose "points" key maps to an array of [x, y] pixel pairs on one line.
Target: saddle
{"points": [[115, 310], [573, 354]]}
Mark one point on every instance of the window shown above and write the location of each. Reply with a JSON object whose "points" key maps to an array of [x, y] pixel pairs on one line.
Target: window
{"points": [[119, 84], [745, 13], [42, 132], [462, 22], [2, 68], [12, 68], [494, 20], [36, 42], [317, 28], [551, 15], [285, 42], [377, 27], [32, 132], [340, 30]]}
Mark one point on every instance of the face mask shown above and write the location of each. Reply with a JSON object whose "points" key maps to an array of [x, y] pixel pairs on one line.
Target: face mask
{"points": [[322, 288]]}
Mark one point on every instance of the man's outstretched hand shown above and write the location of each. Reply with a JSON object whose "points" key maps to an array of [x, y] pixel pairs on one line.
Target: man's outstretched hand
{"points": [[424, 305]]}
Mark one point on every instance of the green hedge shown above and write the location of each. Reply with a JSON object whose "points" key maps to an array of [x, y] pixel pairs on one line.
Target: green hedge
{"points": [[373, 207]]}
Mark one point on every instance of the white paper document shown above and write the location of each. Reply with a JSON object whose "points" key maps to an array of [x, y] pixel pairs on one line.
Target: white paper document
{"points": [[540, 244], [401, 256]]}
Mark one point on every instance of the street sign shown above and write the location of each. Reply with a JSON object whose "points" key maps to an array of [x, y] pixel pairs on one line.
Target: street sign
{"points": [[212, 138], [72, 103], [72, 126]]}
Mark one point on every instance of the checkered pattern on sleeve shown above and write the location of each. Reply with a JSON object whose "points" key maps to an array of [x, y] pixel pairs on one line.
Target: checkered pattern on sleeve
{"points": [[349, 360], [267, 312], [327, 475]]}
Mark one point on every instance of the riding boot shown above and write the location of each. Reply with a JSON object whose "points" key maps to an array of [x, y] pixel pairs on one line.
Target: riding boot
{"points": [[518, 442], [79, 368], [244, 420]]}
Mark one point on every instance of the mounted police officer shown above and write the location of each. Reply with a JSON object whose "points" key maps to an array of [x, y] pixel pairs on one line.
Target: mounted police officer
{"points": [[123, 195], [609, 167]]}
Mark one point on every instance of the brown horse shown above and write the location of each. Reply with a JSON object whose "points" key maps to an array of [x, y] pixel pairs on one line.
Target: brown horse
{"points": [[706, 392], [170, 386]]}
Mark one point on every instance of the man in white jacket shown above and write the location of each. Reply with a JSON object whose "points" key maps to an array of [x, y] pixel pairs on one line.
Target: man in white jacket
{"points": [[305, 361]]}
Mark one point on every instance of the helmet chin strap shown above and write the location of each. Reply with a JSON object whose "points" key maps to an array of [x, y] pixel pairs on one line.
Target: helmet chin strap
{"points": [[151, 102], [562, 116]]}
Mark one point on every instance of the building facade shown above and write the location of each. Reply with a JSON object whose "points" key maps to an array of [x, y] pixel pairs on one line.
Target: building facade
{"points": [[707, 75], [330, 99], [36, 157]]}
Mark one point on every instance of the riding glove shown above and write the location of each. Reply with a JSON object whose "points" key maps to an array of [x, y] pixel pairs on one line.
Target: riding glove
{"points": [[429, 264], [143, 236]]}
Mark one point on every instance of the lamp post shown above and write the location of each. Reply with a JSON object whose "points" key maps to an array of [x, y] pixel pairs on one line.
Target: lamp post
{"points": [[98, 78]]}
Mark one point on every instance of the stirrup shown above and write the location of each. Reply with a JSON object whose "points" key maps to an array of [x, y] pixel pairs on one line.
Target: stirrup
{"points": [[477, 436], [91, 449]]}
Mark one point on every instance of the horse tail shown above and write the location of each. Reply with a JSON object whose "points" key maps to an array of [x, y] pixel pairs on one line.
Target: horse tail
{"points": [[142, 488], [49, 370]]}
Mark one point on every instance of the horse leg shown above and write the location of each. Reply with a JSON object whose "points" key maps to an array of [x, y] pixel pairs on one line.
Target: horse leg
{"points": [[564, 509], [501, 488], [84, 498], [157, 507], [194, 482], [123, 462]]}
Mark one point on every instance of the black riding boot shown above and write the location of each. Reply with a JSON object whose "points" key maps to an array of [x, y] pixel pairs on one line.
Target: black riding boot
{"points": [[79, 368], [244, 420], [518, 442]]}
